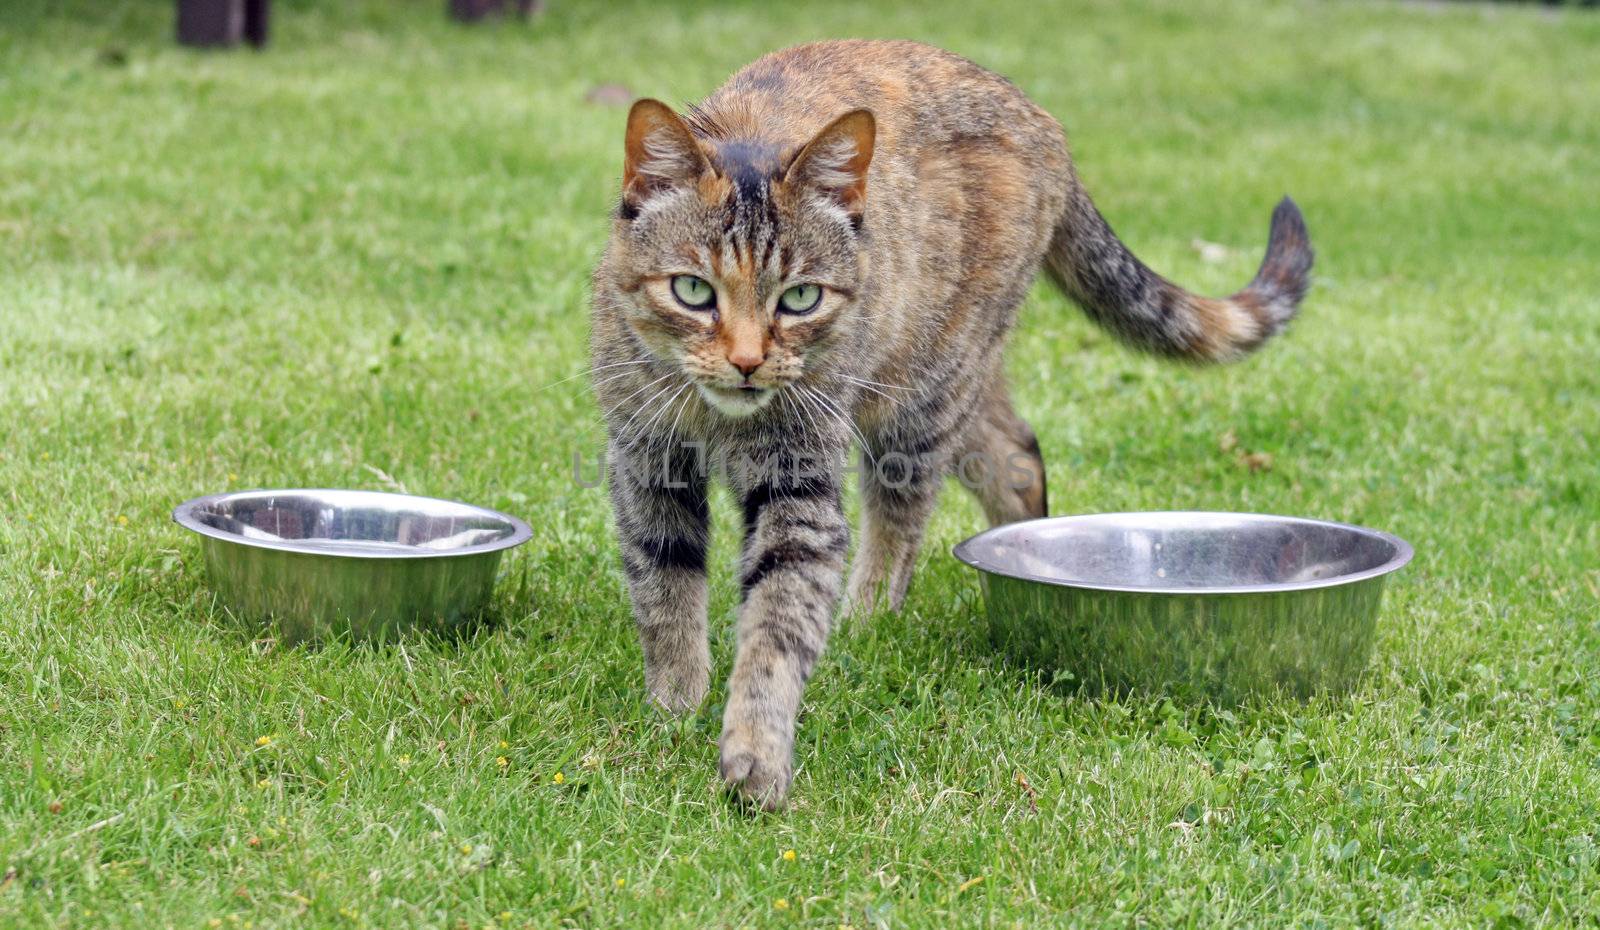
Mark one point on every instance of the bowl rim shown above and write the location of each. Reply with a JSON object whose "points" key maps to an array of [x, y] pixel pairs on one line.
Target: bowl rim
{"points": [[964, 551], [183, 515]]}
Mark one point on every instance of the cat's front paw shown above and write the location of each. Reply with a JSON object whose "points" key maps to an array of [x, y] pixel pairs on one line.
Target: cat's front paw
{"points": [[678, 690], [757, 764]]}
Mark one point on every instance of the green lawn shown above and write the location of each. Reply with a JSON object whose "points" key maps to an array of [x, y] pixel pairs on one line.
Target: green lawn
{"points": [[360, 259]]}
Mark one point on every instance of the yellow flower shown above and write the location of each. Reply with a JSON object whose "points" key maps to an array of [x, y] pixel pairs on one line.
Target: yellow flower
{"points": [[502, 761], [622, 883], [504, 745], [263, 741], [782, 904], [403, 761], [466, 849], [178, 704], [232, 476], [264, 784], [788, 855], [122, 520], [505, 916], [560, 779]]}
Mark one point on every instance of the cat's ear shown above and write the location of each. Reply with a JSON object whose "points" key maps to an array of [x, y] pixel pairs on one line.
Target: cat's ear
{"points": [[834, 164], [661, 154]]}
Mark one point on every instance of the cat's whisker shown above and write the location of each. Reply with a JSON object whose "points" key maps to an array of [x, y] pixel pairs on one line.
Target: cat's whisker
{"points": [[673, 429], [868, 382], [869, 387], [665, 406], [804, 410], [594, 370], [641, 390], [624, 433], [866, 448]]}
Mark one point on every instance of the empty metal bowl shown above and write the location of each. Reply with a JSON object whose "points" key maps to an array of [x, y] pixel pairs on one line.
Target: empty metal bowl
{"points": [[1220, 605], [363, 564]]}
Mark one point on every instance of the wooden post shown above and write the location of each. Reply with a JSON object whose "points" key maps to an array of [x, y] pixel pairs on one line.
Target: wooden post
{"points": [[221, 23], [210, 23], [470, 11], [257, 18]]}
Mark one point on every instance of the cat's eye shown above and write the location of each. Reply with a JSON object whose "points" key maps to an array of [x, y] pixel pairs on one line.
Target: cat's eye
{"points": [[802, 298], [694, 293]]}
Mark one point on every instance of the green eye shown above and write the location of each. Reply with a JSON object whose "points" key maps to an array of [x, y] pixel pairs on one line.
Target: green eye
{"points": [[802, 298], [693, 292]]}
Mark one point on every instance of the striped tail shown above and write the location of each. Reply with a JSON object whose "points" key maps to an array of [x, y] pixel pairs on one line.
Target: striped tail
{"points": [[1119, 292]]}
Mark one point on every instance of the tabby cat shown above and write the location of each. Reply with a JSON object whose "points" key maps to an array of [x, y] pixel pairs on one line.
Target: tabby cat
{"points": [[831, 250]]}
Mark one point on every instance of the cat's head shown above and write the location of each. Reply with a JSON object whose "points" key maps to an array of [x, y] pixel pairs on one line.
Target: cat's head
{"points": [[734, 259]]}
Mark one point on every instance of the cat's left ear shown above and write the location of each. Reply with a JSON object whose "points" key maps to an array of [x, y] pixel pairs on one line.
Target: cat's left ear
{"points": [[834, 164], [661, 153]]}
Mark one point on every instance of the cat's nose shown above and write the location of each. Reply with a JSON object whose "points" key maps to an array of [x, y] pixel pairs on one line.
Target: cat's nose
{"points": [[747, 361]]}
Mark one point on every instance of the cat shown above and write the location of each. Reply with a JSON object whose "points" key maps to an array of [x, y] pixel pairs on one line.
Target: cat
{"points": [[830, 250]]}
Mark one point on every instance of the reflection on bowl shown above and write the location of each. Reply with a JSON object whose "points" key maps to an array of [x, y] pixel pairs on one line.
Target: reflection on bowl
{"points": [[1217, 604], [364, 564]]}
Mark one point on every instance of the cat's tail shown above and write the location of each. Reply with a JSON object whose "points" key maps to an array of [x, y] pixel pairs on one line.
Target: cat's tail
{"points": [[1145, 310]]}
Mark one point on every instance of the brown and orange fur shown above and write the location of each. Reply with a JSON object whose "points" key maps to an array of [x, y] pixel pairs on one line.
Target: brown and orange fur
{"points": [[922, 194]]}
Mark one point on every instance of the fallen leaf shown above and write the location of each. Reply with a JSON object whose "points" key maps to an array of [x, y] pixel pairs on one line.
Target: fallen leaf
{"points": [[1257, 461]]}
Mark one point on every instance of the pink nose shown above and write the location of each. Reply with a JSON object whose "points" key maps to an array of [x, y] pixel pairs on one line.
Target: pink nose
{"points": [[746, 363]]}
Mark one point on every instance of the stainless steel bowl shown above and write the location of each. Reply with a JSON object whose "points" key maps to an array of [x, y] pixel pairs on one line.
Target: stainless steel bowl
{"points": [[1220, 605], [364, 564]]}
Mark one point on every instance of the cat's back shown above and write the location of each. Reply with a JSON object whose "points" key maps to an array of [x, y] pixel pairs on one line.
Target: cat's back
{"points": [[921, 96]]}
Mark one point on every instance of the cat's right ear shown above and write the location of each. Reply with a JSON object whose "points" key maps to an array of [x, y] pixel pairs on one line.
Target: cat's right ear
{"points": [[661, 154]]}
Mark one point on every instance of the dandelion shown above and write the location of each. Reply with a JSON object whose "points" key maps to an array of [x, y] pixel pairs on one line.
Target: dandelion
{"points": [[622, 883], [502, 761], [788, 855], [504, 917], [122, 519], [264, 784], [403, 761], [504, 745], [179, 704], [782, 904], [560, 779], [466, 849], [263, 741], [232, 477]]}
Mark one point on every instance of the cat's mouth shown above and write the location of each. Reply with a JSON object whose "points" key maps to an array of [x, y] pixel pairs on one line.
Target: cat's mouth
{"points": [[738, 401]]}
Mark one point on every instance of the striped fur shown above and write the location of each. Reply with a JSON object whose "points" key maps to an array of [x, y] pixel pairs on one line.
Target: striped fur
{"points": [[923, 194]]}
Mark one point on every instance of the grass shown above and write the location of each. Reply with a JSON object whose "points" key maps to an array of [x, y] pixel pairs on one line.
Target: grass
{"points": [[359, 259]]}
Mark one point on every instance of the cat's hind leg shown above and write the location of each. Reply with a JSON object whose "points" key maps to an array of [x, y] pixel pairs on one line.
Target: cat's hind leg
{"points": [[1000, 462]]}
